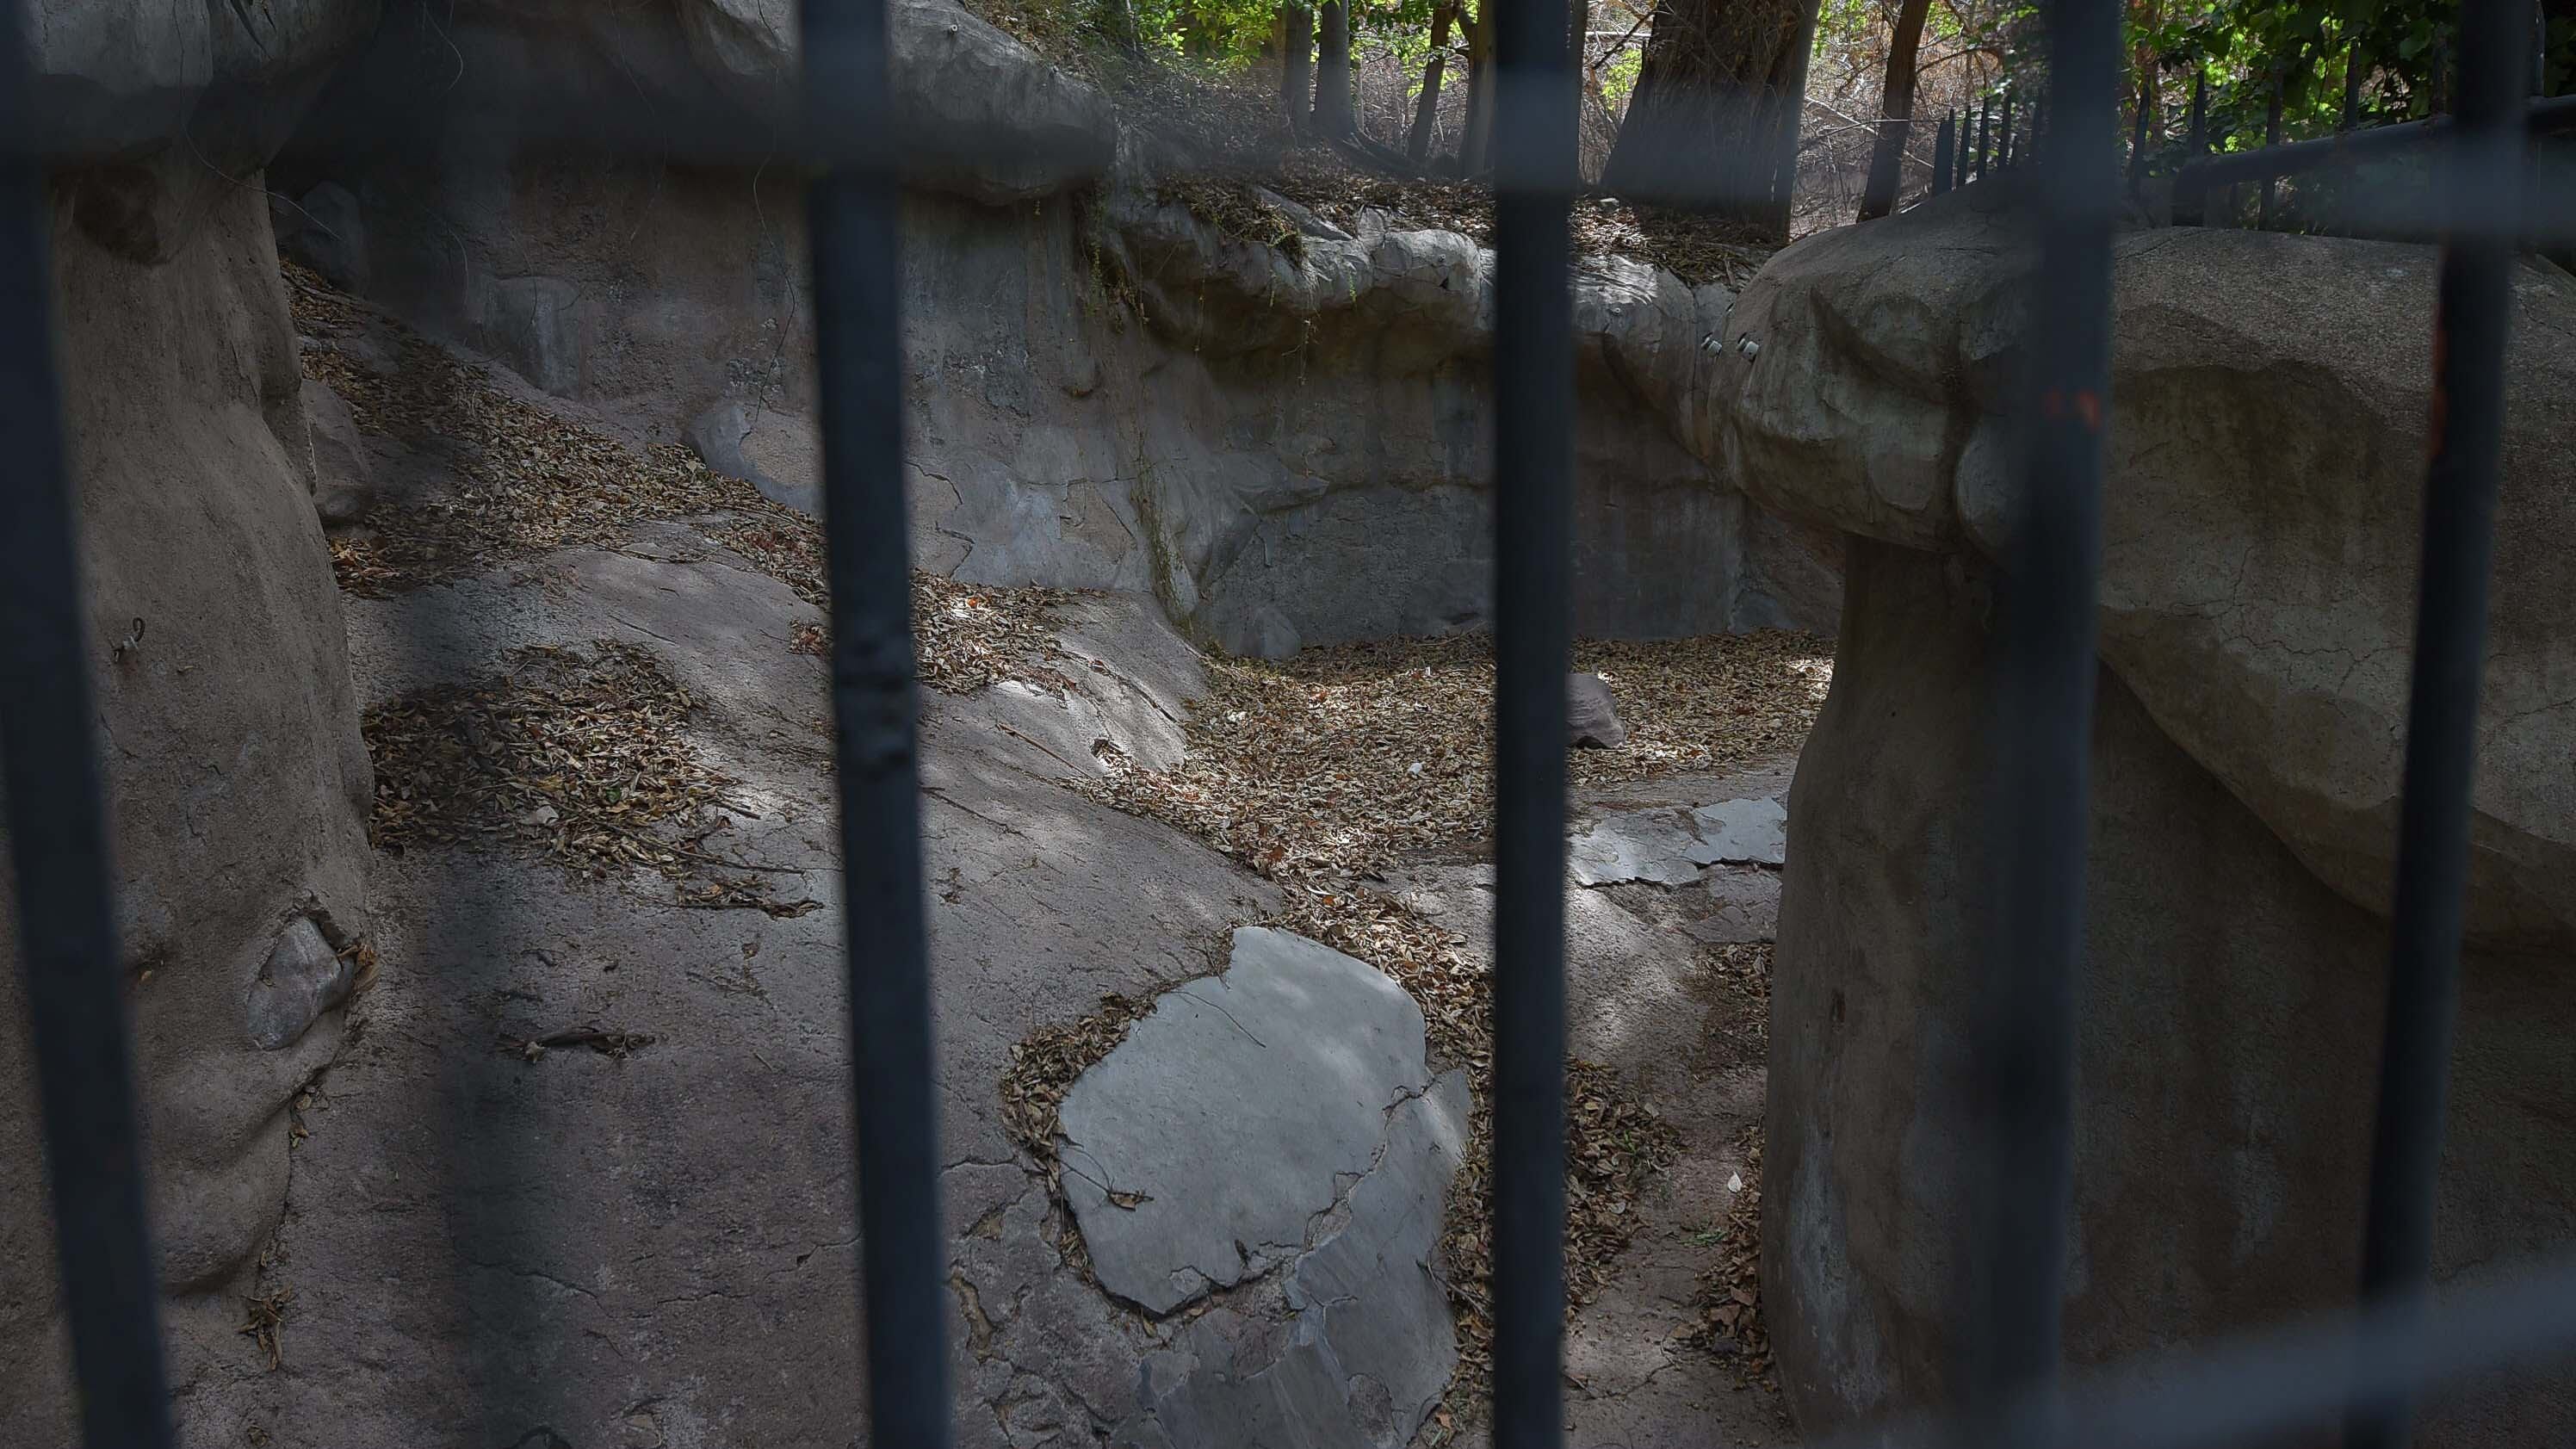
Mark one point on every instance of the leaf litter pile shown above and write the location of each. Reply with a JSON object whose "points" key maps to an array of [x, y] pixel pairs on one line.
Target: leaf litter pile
{"points": [[529, 481], [1727, 1303], [578, 754], [1726, 1310], [1335, 764], [1323, 771], [965, 636]]}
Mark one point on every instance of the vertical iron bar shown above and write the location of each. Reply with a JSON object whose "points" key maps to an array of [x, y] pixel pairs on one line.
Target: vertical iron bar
{"points": [[2046, 675], [58, 842], [2474, 307], [1534, 175], [858, 354], [2004, 136], [1985, 133], [1943, 153]]}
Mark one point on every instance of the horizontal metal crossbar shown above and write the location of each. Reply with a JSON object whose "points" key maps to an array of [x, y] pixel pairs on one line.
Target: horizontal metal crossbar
{"points": [[2541, 118]]}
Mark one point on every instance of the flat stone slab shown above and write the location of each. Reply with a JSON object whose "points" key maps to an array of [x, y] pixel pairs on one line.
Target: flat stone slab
{"points": [[1669, 845], [1275, 1129], [1196, 1154], [1751, 832], [1370, 1344], [1654, 845]]}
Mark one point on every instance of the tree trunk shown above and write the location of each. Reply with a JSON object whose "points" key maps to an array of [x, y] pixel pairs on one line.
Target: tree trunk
{"points": [[2138, 133], [1333, 72], [1895, 114], [1427, 110], [2144, 16], [1296, 66], [1713, 122], [1477, 137]]}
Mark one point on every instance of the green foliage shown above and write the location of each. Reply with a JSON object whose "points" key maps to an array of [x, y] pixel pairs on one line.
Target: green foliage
{"points": [[1207, 34], [2250, 54], [1844, 24], [1214, 36], [1619, 78]]}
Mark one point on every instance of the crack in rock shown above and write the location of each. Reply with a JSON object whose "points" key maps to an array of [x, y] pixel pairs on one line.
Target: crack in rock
{"points": [[1288, 1160], [1669, 845]]}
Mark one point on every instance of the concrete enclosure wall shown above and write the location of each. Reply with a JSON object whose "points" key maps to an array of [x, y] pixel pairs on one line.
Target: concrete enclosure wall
{"points": [[1288, 444]]}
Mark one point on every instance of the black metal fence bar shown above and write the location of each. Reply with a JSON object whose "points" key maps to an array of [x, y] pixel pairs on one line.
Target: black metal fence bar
{"points": [[2474, 309], [851, 211], [1533, 573], [58, 844], [2046, 664], [2047, 667]]}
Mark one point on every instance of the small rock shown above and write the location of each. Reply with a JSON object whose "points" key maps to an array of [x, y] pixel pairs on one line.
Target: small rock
{"points": [[1591, 717], [301, 979], [1266, 634], [327, 231]]}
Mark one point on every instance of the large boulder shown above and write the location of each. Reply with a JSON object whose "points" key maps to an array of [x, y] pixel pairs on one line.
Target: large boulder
{"points": [[117, 78], [2265, 462], [237, 785], [2262, 500]]}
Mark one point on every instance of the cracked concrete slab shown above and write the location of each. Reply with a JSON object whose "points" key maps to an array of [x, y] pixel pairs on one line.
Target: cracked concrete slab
{"points": [[1367, 1346], [1279, 1117], [1669, 845], [1748, 832], [1196, 1152], [1651, 845], [1386, 1317]]}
